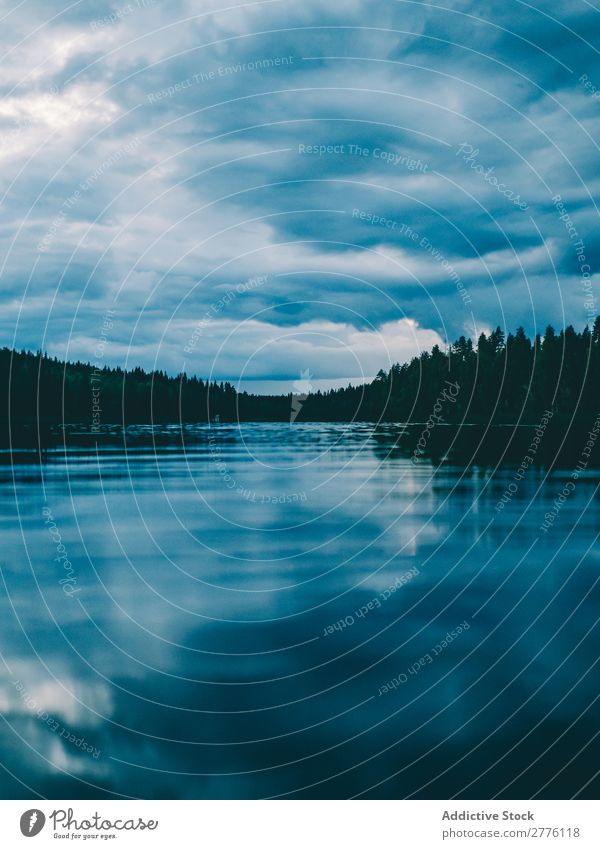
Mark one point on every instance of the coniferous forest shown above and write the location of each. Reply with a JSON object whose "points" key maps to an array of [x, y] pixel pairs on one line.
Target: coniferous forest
{"points": [[497, 379]]}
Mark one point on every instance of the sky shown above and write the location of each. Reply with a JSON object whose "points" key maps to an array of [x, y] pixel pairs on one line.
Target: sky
{"points": [[281, 191]]}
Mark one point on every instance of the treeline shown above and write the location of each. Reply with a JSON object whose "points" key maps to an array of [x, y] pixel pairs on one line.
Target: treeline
{"points": [[36, 387], [498, 379]]}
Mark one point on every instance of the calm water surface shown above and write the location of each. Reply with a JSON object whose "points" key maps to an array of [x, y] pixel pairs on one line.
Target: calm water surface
{"points": [[267, 614]]}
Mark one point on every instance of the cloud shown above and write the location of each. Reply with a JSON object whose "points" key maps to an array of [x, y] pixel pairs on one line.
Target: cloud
{"points": [[258, 349], [155, 155]]}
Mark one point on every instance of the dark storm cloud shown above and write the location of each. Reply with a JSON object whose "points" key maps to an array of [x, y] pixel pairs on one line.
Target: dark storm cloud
{"points": [[372, 163]]}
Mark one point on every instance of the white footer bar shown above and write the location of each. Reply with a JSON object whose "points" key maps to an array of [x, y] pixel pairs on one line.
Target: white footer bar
{"points": [[301, 824]]}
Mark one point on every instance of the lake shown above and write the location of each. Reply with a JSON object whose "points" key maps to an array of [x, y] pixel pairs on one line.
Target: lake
{"points": [[297, 612]]}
